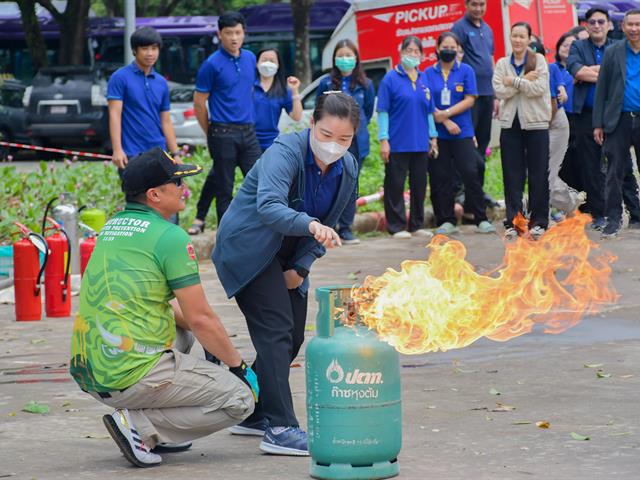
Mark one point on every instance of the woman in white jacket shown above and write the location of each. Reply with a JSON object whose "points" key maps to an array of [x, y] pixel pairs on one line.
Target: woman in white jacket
{"points": [[521, 82]]}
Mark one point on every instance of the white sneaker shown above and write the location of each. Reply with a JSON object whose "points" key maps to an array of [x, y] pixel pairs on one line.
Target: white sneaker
{"points": [[423, 232], [536, 232], [128, 440], [401, 234], [510, 234]]}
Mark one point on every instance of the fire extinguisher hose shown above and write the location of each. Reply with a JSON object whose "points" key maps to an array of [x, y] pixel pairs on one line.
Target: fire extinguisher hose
{"points": [[67, 267], [44, 263], [46, 213]]}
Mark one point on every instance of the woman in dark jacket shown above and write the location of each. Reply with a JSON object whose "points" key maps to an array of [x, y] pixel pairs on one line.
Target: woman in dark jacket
{"points": [[276, 227]]}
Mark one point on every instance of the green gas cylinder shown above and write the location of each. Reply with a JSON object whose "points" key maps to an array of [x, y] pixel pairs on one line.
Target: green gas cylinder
{"points": [[93, 217], [353, 397]]}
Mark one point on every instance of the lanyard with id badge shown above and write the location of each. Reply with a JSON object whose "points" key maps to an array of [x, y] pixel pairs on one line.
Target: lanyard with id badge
{"points": [[445, 94]]}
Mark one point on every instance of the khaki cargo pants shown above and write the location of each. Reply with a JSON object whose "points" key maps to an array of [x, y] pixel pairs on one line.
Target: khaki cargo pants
{"points": [[183, 397]]}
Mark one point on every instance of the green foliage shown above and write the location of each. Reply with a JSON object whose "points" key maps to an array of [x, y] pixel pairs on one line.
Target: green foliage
{"points": [[23, 196]]}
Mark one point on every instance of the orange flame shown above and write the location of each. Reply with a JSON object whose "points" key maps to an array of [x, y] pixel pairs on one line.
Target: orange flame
{"points": [[443, 303]]}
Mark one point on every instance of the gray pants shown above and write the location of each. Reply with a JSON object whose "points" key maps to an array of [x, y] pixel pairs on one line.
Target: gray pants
{"points": [[183, 397], [561, 195]]}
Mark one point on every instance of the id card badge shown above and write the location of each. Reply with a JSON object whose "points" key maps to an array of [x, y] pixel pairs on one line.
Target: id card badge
{"points": [[445, 97]]}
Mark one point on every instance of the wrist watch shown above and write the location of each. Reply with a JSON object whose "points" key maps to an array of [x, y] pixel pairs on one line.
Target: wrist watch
{"points": [[302, 272]]}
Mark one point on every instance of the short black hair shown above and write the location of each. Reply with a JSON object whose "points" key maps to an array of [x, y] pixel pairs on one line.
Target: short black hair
{"points": [[577, 30], [231, 19], [406, 41], [445, 35], [135, 197], [560, 41], [524, 25], [339, 105], [144, 37], [593, 10], [633, 11]]}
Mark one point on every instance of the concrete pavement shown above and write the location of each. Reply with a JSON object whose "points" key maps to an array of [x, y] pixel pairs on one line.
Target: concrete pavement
{"points": [[450, 428]]}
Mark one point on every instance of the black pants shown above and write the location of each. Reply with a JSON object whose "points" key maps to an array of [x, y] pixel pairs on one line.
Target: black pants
{"points": [[461, 156], [616, 150], [525, 153], [229, 146], [591, 164], [482, 114], [571, 170], [275, 318], [395, 174], [574, 169]]}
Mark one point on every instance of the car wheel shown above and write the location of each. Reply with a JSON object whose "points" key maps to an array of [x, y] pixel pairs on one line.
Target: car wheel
{"points": [[5, 151]]}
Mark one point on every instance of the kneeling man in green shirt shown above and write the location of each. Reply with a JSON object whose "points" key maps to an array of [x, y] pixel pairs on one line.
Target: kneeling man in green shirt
{"points": [[141, 304]]}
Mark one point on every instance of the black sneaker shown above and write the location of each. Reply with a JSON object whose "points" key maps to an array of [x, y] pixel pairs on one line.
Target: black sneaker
{"points": [[348, 238], [598, 224], [255, 428], [490, 202], [611, 230], [171, 447]]}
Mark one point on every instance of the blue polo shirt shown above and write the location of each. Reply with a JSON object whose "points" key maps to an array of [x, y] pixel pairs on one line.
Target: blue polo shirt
{"points": [[519, 68], [408, 105], [267, 113], [598, 53], [566, 80], [460, 82], [555, 80], [631, 101], [229, 82], [477, 42], [143, 98], [320, 190]]}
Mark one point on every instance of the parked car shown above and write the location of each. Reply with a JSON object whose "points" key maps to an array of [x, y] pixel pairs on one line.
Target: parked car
{"points": [[13, 125], [183, 115], [68, 106]]}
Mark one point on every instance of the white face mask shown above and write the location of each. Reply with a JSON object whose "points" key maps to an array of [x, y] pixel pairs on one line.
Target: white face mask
{"points": [[327, 152], [268, 69]]}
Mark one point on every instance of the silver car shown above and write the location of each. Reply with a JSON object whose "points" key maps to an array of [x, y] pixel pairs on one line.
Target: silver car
{"points": [[183, 116]]}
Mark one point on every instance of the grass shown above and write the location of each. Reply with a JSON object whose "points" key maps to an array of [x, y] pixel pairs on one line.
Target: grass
{"points": [[23, 196]]}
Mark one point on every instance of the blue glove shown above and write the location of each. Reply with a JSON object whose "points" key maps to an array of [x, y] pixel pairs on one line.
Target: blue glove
{"points": [[249, 377]]}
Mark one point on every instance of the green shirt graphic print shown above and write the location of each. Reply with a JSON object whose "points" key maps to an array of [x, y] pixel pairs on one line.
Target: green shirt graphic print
{"points": [[125, 320]]}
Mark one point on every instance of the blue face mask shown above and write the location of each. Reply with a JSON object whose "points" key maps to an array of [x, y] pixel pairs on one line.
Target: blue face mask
{"points": [[410, 62], [345, 64]]}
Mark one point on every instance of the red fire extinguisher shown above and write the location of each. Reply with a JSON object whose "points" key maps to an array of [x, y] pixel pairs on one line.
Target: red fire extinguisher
{"points": [[86, 247], [27, 274], [57, 292]]}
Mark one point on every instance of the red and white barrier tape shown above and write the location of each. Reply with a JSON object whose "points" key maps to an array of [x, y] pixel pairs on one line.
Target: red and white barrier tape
{"points": [[76, 153]]}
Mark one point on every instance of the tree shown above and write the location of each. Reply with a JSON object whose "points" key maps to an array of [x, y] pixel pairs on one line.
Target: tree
{"points": [[73, 25], [302, 64], [33, 34]]}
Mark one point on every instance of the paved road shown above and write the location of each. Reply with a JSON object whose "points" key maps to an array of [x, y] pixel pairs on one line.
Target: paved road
{"points": [[450, 430]]}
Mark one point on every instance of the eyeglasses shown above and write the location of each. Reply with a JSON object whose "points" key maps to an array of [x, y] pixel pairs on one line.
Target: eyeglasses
{"points": [[598, 21], [176, 181]]}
